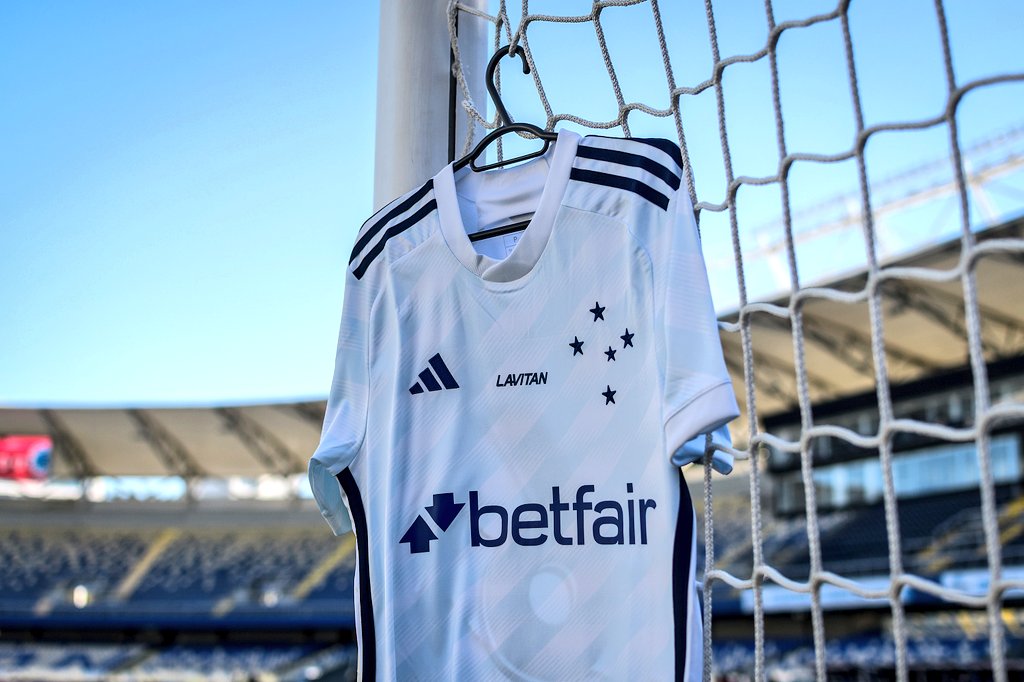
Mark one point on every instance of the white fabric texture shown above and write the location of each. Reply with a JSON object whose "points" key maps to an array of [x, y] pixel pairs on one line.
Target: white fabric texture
{"points": [[506, 432]]}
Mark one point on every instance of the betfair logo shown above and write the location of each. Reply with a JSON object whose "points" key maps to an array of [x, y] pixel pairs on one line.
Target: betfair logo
{"points": [[443, 512], [606, 522]]}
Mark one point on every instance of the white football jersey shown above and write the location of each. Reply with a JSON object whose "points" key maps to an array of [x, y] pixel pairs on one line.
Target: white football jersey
{"points": [[508, 417]]}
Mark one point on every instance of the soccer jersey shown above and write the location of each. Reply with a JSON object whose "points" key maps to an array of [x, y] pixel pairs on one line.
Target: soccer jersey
{"points": [[508, 417]]}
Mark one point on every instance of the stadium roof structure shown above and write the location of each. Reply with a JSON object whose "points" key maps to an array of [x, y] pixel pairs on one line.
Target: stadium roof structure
{"points": [[217, 442], [923, 322], [924, 327]]}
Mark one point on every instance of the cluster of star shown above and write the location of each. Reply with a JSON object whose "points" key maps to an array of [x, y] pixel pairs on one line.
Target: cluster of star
{"points": [[627, 342]]}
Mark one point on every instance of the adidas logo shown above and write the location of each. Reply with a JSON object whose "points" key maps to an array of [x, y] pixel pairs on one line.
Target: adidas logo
{"points": [[430, 381]]}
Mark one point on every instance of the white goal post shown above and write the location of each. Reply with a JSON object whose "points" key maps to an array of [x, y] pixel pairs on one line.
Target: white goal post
{"points": [[415, 90]]}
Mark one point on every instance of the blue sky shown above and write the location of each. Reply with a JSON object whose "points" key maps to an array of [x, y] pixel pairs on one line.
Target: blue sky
{"points": [[180, 184]]}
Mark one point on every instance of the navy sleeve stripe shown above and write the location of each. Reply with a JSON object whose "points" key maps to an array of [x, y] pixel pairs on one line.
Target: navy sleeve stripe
{"points": [[629, 184], [634, 160], [398, 210], [368, 643], [681, 577], [397, 228]]}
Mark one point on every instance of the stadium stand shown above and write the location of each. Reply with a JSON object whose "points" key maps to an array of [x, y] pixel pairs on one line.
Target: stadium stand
{"points": [[207, 566], [958, 541], [858, 657], [158, 568], [337, 583], [254, 573], [854, 541], [341, 660], [33, 564], [200, 575], [124, 663], [231, 659], [70, 661]]}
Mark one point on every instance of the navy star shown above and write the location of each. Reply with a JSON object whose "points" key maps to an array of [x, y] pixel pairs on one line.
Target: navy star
{"points": [[577, 346], [609, 396], [598, 311], [627, 339], [610, 353]]}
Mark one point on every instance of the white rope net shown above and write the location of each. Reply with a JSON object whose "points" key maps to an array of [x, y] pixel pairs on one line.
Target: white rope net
{"points": [[518, 32]]}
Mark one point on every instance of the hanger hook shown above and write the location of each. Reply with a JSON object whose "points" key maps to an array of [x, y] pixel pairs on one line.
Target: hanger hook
{"points": [[503, 117]]}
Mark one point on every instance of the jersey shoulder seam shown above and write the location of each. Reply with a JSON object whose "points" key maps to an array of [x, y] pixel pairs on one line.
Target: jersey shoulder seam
{"points": [[695, 398], [398, 216]]}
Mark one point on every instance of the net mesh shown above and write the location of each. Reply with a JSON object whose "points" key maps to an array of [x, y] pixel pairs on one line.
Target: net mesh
{"points": [[518, 33]]}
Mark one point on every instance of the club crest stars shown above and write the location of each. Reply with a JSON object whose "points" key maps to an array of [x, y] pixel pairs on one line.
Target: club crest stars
{"points": [[627, 342]]}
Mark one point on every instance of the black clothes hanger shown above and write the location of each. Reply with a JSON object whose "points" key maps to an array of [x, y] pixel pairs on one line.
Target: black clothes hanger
{"points": [[508, 126]]}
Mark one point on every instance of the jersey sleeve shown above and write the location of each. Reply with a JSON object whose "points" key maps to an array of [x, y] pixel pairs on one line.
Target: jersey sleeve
{"points": [[344, 424], [698, 398]]}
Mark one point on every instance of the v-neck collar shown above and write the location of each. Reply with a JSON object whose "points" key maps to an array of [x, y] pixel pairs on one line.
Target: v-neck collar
{"points": [[527, 252]]}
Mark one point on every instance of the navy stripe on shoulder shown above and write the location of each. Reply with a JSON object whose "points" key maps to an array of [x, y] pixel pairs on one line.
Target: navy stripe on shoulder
{"points": [[397, 228], [626, 159], [667, 146], [608, 180], [368, 635], [398, 209]]}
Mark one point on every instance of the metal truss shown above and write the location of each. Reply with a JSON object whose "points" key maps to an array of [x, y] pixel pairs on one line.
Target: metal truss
{"points": [[172, 452], [312, 412], [69, 447], [1001, 335], [772, 376], [850, 346], [264, 446]]}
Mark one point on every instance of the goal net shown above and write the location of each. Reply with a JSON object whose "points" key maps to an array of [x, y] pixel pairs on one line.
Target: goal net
{"points": [[857, 171]]}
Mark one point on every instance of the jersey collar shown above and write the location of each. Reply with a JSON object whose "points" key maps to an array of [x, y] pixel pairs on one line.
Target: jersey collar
{"points": [[533, 241]]}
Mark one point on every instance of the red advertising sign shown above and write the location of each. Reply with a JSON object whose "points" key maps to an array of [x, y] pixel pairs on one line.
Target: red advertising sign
{"points": [[24, 457]]}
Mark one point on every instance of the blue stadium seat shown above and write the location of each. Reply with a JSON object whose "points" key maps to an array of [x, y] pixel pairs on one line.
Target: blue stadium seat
{"points": [[254, 570], [223, 659], [35, 562]]}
